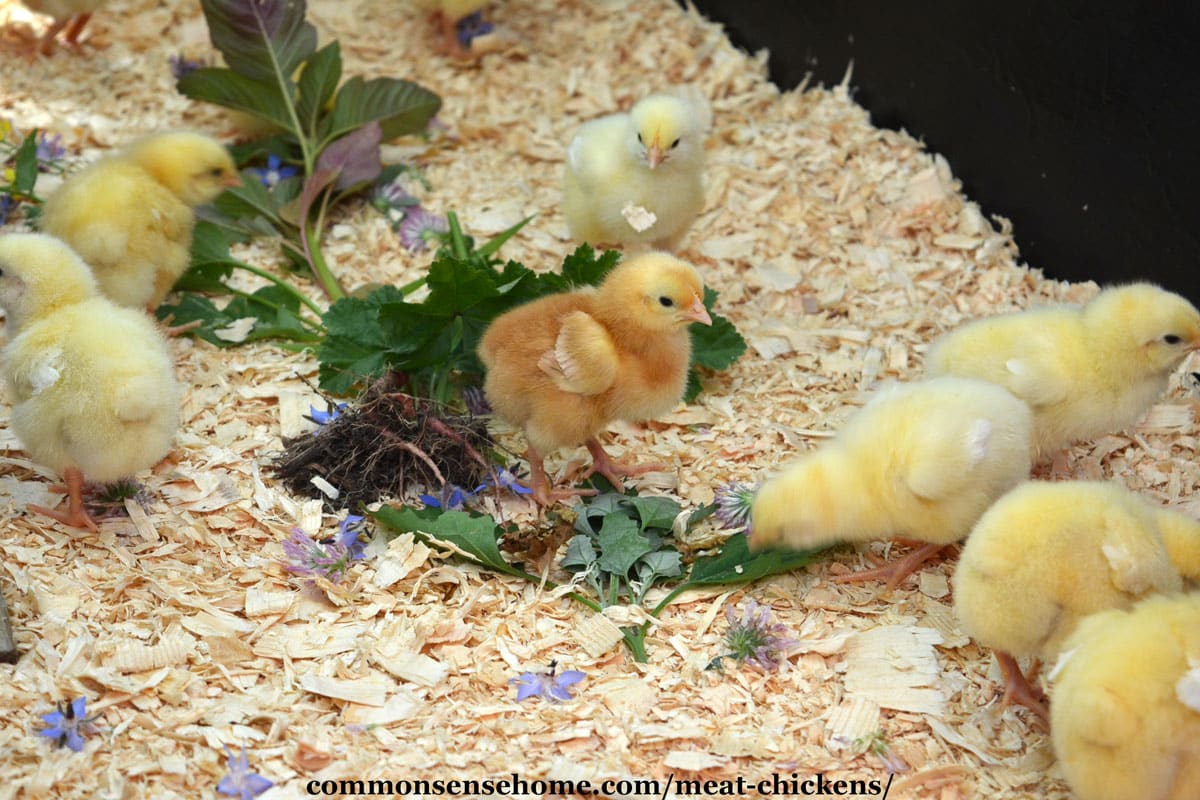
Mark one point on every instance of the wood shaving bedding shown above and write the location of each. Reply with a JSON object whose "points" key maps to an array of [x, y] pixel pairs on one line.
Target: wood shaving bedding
{"points": [[840, 250]]}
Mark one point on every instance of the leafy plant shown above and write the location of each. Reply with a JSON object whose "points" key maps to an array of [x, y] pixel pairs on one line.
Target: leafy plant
{"points": [[433, 341], [633, 554], [23, 159], [277, 74]]}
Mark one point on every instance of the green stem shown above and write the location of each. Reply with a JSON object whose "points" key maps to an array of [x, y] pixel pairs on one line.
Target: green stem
{"points": [[458, 242], [325, 276], [412, 286], [282, 284]]}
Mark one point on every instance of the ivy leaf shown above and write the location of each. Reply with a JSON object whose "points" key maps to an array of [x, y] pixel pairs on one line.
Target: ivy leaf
{"points": [[473, 535], [659, 564], [233, 90], [580, 553], [399, 106], [655, 512], [621, 545], [736, 564], [318, 81], [265, 40]]}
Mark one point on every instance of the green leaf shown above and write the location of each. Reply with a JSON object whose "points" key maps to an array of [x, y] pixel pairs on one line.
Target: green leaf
{"points": [[232, 90], [25, 166], [248, 201], [655, 512], [580, 553], [715, 346], [400, 107], [736, 564], [265, 40], [493, 245], [659, 564], [474, 535], [621, 545], [316, 86], [355, 345], [585, 268]]}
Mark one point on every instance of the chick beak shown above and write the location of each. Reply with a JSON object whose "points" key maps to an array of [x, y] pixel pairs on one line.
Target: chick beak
{"points": [[654, 155], [697, 312], [231, 180]]}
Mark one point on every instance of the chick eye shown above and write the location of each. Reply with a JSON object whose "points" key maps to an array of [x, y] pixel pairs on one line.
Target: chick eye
{"points": [[666, 302], [674, 144], [640, 139], [1171, 338], [216, 172]]}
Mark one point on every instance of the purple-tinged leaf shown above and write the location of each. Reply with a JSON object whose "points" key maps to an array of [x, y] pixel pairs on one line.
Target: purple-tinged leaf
{"points": [[354, 157], [265, 40]]}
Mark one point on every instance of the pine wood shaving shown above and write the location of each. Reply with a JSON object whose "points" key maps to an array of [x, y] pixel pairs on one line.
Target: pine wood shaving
{"points": [[897, 667]]}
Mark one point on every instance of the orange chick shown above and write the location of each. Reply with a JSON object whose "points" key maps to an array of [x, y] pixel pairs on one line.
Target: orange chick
{"points": [[564, 366]]}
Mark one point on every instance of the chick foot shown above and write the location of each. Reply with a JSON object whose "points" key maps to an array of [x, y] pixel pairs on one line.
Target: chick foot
{"points": [[1017, 688], [896, 571], [76, 514], [539, 485], [615, 470]]}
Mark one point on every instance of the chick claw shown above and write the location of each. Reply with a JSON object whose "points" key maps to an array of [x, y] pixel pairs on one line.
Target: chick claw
{"points": [[896, 571], [1017, 688], [542, 493], [76, 514], [615, 470]]}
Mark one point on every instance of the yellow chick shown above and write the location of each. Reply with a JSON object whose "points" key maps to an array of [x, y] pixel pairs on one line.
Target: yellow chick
{"points": [[92, 384], [447, 14], [1084, 371], [921, 460], [1048, 554], [69, 14], [1125, 721], [130, 215], [564, 366], [621, 166]]}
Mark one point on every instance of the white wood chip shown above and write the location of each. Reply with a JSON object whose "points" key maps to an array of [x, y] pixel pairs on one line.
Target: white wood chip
{"points": [[853, 718], [897, 667], [693, 760], [369, 690], [597, 635]]}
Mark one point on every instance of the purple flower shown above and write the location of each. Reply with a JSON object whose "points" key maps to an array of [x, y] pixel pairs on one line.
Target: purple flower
{"points": [[392, 195], [49, 148], [325, 417], [67, 724], [471, 26], [506, 480], [755, 638], [452, 497], [348, 537], [419, 227], [6, 207], [182, 65], [274, 172], [476, 401], [329, 559], [546, 685], [241, 782], [733, 501]]}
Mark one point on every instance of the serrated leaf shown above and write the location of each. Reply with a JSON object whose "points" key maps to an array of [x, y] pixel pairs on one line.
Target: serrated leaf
{"points": [[585, 268], [473, 535], [400, 107], [354, 158], [232, 90], [621, 545], [265, 40], [715, 346], [318, 81], [580, 553], [736, 564]]}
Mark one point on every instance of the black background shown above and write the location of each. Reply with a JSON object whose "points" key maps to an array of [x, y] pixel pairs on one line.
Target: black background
{"points": [[1079, 121]]}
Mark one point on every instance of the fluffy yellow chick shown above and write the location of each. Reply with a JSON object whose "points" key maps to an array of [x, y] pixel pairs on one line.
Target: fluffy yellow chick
{"points": [[651, 158], [564, 366], [1084, 371], [1048, 554], [447, 14], [92, 384], [1125, 721], [921, 461], [130, 215], [69, 14]]}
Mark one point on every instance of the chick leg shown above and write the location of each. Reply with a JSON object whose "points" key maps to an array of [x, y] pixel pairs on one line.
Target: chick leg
{"points": [[76, 27], [896, 571], [76, 514], [46, 46], [614, 470], [543, 494], [1018, 690]]}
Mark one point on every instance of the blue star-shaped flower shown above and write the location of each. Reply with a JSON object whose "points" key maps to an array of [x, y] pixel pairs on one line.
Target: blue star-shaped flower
{"points": [[325, 417], [241, 782], [274, 172], [66, 723], [547, 685]]}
